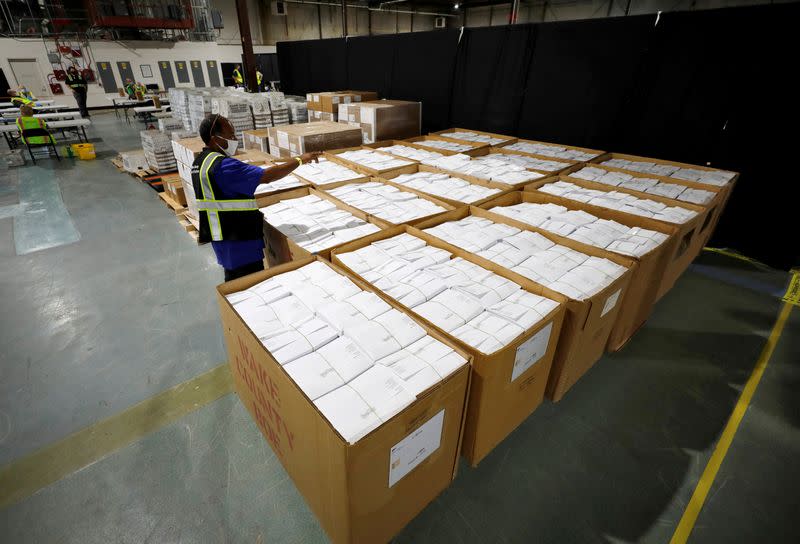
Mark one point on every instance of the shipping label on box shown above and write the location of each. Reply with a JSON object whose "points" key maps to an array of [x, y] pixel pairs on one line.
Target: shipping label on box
{"points": [[531, 351], [610, 302], [415, 448], [283, 139]]}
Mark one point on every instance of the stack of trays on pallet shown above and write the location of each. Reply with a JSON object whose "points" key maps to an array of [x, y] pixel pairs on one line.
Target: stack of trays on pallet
{"points": [[298, 109], [236, 110], [157, 147]]}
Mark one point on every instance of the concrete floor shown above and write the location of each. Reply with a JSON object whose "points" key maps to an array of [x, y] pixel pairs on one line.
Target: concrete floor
{"points": [[126, 311]]}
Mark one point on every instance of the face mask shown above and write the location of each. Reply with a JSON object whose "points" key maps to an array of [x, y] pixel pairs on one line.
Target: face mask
{"points": [[230, 146]]}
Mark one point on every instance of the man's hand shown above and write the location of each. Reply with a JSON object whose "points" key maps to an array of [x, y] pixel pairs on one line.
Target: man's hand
{"points": [[310, 157]]}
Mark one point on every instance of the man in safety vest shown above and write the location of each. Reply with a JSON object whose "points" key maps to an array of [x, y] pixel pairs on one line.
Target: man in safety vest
{"points": [[259, 77], [140, 90], [24, 92], [18, 100], [224, 189], [26, 121], [130, 89], [77, 83], [237, 75]]}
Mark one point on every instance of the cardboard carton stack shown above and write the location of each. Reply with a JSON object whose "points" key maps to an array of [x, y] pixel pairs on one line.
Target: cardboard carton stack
{"points": [[369, 401], [386, 201], [256, 139], [157, 147], [185, 151], [179, 105], [324, 106], [383, 119], [292, 140], [199, 108], [169, 124], [645, 185]]}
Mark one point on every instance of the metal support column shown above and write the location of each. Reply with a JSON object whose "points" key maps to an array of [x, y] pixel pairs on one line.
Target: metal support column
{"points": [[247, 45], [344, 18]]}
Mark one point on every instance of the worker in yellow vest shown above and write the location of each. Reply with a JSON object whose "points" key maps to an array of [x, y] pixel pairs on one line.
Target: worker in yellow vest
{"points": [[24, 92], [140, 90], [130, 89], [18, 100], [259, 77], [238, 80], [26, 121]]}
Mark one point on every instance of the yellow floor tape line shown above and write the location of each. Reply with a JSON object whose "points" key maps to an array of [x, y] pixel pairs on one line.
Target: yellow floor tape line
{"points": [[695, 505], [25, 476], [735, 255]]}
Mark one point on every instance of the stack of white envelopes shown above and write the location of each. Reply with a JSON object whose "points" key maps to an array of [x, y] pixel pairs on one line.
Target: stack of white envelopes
{"points": [[314, 223], [413, 153], [442, 144], [373, 160], [709, 177], [386, 202], [623, 202], [560, 268], [326, 172], [446, 186], [552, 150], [477, 306], [584, 227], [647, 185], [495, 167], [358, 359], [473, 137], [287, 182]]}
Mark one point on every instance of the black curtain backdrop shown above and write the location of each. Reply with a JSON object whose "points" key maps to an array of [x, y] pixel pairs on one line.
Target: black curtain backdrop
{"points": [[709, 88]]}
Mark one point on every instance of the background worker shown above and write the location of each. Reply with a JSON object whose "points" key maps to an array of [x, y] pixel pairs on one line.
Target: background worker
{"points": [[18, 100], [77, 83], [23, 91], [224, 188], [259, 77], [130, 89], [26, 120], [237, 75]]}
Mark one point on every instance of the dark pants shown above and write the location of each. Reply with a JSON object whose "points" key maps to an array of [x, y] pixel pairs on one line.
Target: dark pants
{"points": [[243, 270], [80, 98]]}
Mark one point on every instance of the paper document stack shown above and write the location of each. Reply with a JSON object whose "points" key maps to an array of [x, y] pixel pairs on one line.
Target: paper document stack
{"points": [[314, 223], [446, 186], [495, 167], [359, 360], [647, 185], [530, 254], [623, 202], [326, 172], [287, 182], [551, 150], [419, 155], [157, 147], [473, 137], [710, 177], [477, 306], [442, 144], [373, 160], [585, 227], [387, 202]]}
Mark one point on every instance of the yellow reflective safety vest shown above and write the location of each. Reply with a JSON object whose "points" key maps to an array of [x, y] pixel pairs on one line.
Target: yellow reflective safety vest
{"points": [[259, 77], [25, 123], [222, 218], [20, 100], [237, 77]]}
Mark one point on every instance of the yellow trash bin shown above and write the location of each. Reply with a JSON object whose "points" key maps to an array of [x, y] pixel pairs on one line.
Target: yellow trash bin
{"points": [[85, 152]]}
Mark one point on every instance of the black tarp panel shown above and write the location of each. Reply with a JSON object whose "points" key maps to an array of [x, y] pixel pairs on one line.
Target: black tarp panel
{"points": [[316, 65], [423, 71], [370, 61], [491, 76]]}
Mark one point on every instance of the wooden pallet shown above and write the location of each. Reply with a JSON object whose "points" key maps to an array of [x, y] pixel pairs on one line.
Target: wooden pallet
{"points": [[172, 204]]}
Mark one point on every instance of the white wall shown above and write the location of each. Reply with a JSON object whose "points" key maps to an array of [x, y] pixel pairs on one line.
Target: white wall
{"points": [[137, 53]]}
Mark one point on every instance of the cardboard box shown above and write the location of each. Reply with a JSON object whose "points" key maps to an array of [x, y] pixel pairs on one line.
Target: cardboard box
{"points": [[420, 142], [253, 157], [186, 149], [174, 188], [257, 139], [689, 235], [280, 248], [334, 156], [383, 119], [724, 190], [596, 152], [329, 101], [347, 486], [502, 187], [504, 139], [646, 278], [314, 136], [498, 401], [314, 115], [423, 196], [587, 324]]}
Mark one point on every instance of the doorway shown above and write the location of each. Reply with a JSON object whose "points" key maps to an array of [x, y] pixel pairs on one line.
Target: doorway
{"points": [[28, 73]]}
